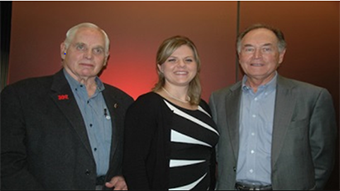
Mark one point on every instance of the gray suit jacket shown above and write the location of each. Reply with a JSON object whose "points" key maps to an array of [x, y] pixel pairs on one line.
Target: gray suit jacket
{"points": [[44, 142], [303, 139]]}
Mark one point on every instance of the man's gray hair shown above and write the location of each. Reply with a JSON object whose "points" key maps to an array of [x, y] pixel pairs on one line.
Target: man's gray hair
{"points": [[72, 31], [278, 33]]}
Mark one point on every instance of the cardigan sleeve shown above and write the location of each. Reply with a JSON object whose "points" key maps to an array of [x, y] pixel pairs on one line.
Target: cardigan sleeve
{"points": [[140, 126]]}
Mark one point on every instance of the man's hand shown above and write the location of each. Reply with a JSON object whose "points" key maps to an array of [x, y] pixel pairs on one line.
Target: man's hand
{"points": [[117, 183]]}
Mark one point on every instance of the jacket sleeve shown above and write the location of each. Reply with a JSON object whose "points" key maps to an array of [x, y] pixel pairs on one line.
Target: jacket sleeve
{"points": [[140, 125], [323, 134], [14, 169]]}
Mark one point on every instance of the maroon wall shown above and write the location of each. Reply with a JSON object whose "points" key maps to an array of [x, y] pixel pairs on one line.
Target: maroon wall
{"points": [[136, 29]]}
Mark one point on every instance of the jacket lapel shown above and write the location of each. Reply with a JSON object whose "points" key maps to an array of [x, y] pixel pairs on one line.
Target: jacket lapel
{"points": [[112, 105], [284, 106], [63, 97], [233, 113]]}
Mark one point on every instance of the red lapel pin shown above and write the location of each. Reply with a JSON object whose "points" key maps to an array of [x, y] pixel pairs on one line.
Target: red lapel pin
{"points": [[62, 97]]}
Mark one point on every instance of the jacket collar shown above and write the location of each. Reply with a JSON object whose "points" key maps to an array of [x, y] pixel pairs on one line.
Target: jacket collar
{"points": [[63, 97]]}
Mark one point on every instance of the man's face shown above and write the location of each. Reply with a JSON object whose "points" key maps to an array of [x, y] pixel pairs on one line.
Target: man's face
{"points": [[259, 56], [85, 57]]}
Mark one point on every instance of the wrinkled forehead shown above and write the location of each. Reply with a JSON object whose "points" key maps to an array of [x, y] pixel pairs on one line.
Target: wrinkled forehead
{"points": [[260, 35], [88, 35]]}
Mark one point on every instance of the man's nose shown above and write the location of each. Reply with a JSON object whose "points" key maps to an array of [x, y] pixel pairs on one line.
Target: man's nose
{"points": [[88, 54], [257, 53]]}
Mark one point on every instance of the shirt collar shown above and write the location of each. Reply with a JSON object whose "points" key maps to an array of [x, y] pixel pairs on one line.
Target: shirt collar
{"points": [[75, 84], [270, 85]]}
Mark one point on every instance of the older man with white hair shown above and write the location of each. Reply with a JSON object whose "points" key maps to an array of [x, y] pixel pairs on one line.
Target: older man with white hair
{"points": [[64, 132]]}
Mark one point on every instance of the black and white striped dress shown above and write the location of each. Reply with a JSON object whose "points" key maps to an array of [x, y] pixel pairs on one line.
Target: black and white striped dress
{"points": [[193, 136]]}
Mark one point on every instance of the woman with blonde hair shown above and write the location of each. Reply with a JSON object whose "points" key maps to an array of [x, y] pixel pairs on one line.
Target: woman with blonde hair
{"points": [[169, 135]]}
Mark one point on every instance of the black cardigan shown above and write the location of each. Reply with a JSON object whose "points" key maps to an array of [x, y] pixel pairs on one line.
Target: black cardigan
{"points": [[147, 143]]}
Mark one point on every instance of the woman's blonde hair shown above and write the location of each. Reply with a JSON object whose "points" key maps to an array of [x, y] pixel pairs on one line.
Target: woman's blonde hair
{"points": [[165, 50]]}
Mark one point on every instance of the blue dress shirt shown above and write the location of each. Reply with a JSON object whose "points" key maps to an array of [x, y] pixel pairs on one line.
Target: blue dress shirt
{"points": [[97, 120], [256, 127]]}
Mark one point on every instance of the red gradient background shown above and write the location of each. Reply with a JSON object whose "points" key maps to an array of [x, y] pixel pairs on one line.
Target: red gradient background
{"points": [[136, 29]]}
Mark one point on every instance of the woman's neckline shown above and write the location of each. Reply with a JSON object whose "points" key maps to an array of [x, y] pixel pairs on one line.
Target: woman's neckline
{"points": [[177, 105]]}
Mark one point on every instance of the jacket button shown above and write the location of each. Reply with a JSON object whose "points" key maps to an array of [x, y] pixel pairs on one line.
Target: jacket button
{"points": [[87, 172], [234, 168]]}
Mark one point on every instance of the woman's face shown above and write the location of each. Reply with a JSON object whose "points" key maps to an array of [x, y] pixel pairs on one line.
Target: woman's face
{"points": [[180, 68]]}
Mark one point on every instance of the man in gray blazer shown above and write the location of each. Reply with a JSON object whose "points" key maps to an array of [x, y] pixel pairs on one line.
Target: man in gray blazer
{"points": [[275, 133], [64, 132]]}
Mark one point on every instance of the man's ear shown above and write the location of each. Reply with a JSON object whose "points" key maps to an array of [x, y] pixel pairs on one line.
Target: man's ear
{"points": [[106, 59], [281, 56], [63, 50]]}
